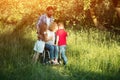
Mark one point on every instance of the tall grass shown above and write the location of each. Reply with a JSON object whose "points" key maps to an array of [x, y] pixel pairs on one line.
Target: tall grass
{"points": [[92, 55]]}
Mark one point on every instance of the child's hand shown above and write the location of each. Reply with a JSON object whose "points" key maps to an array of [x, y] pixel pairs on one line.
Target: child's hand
{"points": [[48, 38], [55, 44], [51, 38]]}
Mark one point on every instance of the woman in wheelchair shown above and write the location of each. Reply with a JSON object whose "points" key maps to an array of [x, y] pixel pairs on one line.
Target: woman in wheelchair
{"points": [[46, 39], [50, 45]]}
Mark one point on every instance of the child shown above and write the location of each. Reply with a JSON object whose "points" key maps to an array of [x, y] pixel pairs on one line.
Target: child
{"points": [[40, 43], [50, 45], [62, 36]]}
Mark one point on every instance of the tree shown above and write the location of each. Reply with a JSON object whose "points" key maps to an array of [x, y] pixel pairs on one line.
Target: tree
{"points": [[83, 12], [116, 4]]}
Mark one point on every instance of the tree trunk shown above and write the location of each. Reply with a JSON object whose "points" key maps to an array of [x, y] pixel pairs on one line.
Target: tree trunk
{"points": [[94, 17], [116, 4], [118, 11]]}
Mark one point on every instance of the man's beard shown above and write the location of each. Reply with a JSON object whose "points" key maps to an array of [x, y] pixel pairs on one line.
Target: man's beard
{"points": [[49, 15]]}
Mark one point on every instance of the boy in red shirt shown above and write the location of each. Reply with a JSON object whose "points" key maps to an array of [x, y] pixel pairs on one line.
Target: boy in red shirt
{"points": [[61, 41]]}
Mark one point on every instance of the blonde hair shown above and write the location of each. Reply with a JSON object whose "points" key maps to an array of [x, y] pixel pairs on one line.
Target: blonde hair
{"points": [[52, 27], [61, 25]]}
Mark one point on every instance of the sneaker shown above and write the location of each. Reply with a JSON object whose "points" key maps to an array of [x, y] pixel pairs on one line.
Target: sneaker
{"points": [[60, 62], [52, 61], [55, 62]]}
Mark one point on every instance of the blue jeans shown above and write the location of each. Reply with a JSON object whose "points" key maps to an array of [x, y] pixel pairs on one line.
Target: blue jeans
{"points": [[62, 50], [53, 51]]}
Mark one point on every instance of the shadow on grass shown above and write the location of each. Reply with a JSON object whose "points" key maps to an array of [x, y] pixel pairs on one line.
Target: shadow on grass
{"points": [[106, 72], [79, 74], [15, 60], [15, 64]]}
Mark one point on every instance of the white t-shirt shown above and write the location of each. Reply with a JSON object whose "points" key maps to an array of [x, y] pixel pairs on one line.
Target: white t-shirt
{"points": [[50, 33], [48, 21], [39, 46]]}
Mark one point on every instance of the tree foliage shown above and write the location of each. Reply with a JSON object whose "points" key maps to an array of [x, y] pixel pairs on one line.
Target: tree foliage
{"points": [[26, 12]]}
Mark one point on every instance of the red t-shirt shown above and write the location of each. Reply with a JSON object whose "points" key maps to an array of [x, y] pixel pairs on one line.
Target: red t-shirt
{"points": [[62, 37]]}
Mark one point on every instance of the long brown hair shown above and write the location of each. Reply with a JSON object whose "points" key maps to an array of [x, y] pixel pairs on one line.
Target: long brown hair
{"points": [[43, 28], [42, 31]]}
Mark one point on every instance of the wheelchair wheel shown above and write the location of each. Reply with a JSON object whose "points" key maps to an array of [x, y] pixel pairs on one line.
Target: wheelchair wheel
{"points": [[46, 56]]}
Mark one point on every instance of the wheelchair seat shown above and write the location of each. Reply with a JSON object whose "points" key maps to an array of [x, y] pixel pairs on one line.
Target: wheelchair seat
{"points": [[46, 56]]}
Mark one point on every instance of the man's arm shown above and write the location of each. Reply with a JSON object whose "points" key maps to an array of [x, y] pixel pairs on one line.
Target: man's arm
{"points": [[57, 39], [40, 20]]}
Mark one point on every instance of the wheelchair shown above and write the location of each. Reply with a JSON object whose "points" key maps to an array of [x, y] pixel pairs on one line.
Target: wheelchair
{"points": [[45, 57]]}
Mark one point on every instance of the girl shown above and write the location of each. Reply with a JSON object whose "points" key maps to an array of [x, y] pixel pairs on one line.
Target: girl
{"points": [[40, 43], [50, 45]]}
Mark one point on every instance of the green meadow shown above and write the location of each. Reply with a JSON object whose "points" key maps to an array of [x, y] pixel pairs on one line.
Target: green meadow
{"points": [[92, 55]]}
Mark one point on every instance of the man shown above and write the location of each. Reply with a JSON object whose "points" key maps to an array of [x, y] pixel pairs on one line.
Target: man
{"points": [[46, 18]]}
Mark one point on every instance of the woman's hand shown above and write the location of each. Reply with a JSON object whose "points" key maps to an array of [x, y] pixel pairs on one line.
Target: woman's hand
{"points": [[49, 38]]}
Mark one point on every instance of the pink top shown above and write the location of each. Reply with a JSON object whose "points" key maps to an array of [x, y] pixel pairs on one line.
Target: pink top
{"points": [[62, 37]]}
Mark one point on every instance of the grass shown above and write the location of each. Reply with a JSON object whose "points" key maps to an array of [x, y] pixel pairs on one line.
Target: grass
{"points": [[92, 55]]}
